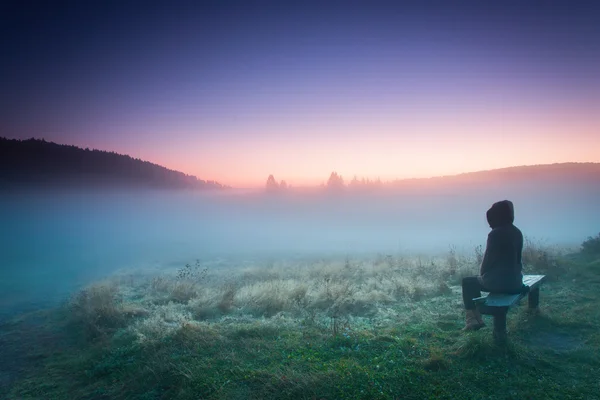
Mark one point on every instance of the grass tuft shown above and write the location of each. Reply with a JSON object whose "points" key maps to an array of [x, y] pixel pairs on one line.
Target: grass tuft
{"points": [[98, 311]]}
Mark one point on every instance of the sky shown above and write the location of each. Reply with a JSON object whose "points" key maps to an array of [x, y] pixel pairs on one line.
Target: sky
{"points": [[237, 90]]}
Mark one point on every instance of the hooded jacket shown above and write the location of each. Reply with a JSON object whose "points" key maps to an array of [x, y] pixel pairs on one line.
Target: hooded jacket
{"points": [[501, 268]]}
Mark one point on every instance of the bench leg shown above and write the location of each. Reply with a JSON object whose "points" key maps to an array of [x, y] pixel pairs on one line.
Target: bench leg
{"points": [[534, 298], [500, 326]]}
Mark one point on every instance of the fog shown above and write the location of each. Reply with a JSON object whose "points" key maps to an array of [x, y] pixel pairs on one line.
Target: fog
{"points": [[52, 243]]}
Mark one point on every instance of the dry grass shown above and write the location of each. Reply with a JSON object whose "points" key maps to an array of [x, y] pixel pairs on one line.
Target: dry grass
{"points": [[153, 307], [289, 329], [176, 290], [314, 291], [98, 310], [541, 258]]}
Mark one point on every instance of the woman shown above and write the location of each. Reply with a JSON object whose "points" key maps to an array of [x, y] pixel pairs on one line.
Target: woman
{"points": [[501, 267]]}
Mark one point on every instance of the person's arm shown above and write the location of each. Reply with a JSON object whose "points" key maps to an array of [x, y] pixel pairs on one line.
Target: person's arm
{"points": [[490, 254]]}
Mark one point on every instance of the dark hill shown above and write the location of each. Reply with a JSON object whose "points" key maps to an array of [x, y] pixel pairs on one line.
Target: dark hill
{"points": [[38, 163], [560, 175]]}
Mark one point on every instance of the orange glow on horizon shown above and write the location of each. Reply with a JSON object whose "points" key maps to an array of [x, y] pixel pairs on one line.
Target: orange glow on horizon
{"points": [[446, 145]]}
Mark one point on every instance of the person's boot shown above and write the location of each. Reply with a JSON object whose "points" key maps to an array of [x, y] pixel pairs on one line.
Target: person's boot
{"points": [[471, 321]]}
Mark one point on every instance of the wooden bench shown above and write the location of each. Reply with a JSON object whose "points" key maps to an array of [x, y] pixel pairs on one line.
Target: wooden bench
{"points": [[497, 304]]}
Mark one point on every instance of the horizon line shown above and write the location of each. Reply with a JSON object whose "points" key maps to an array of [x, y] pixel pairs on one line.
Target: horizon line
{"points": [[323, 181]]}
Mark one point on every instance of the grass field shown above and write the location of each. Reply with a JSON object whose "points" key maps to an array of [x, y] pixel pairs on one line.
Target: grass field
{"points": [[384, 327]]}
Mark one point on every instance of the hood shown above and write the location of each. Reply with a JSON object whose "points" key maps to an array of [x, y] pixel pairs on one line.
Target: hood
{"points": [[501, 213]]}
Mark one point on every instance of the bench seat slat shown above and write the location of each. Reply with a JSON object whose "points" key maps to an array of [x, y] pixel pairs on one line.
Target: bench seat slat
{"points": [[533, 280], [502, 300], [508, 300]]}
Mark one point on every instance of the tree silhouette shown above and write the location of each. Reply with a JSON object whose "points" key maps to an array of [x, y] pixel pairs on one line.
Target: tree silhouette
{"points": [[272, 185], [335, 181], [39, 162]]}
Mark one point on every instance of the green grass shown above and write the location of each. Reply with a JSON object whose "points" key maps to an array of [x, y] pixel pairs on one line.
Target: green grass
{"points": [[411, 347]]}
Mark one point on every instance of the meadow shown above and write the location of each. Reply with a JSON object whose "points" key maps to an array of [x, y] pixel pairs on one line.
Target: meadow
{"points": [[370, 327]]}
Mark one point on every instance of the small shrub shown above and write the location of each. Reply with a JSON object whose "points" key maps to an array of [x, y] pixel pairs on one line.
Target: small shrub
{"points": [[298, 296], [400, 288], [182, 292], [452, 261], [195, 273], [591, 246], [540, 259], [98, 310], [227, 299], [459, 266]]}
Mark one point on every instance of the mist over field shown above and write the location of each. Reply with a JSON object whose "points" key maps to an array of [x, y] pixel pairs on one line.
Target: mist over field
{"points": [[52, 243]]}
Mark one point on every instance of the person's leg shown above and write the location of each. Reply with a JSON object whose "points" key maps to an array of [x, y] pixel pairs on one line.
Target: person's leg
{"points": [[471, 288]]}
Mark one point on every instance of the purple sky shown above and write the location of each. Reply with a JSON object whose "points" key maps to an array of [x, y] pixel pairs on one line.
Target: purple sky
{"points": [[235, 91]]}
